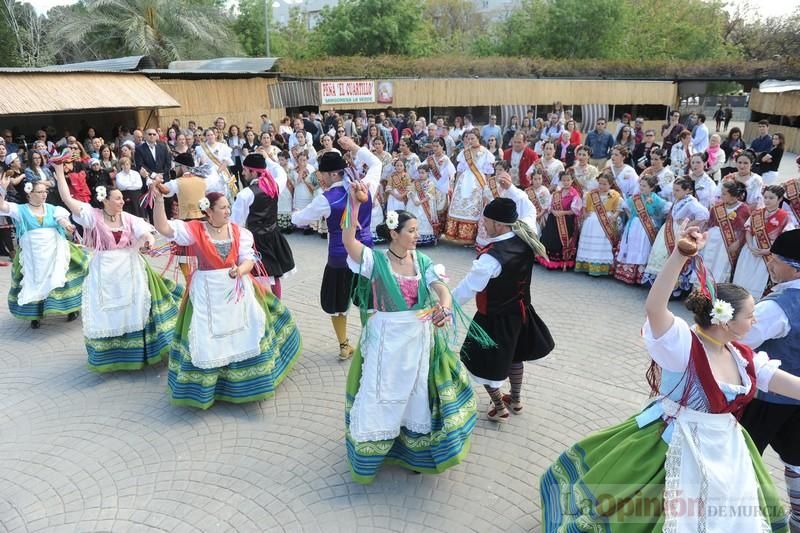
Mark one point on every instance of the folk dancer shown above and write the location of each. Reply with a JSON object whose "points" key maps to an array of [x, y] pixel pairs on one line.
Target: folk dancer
{"points": [[500, 281]]}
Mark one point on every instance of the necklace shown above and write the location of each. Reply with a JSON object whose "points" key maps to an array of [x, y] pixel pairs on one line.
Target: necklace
{"points": [[397, 256], [112, 218], [217, 229], [708, 337]]}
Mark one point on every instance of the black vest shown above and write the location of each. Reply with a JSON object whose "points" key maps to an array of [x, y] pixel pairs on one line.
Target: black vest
{"points": [[263, 216], [509, 292]]}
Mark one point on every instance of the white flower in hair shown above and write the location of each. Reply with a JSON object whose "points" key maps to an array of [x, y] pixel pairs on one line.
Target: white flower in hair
{"points": [[721, 313], [392, 220], [28, 187], [100, 193], [203, 204]]}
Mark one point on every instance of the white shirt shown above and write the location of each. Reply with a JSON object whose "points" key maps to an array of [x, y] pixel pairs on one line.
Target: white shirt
{"points": [[183, 237], [526, 211], [293, 139], [319, 206], [700, 138], [484, 269], [627, 180], [771, 321], [129, 181], [241, 206], [152, 148]]}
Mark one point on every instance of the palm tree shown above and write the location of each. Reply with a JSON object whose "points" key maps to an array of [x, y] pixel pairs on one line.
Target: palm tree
{"points": [[167, 30]]}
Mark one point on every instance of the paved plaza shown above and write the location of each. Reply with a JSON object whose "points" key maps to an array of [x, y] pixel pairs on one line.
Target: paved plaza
{"points": [[87, 452]]}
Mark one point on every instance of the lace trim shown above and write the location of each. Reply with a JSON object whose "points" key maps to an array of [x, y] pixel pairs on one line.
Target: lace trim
{"points": [[224, 361], [672, 484]]}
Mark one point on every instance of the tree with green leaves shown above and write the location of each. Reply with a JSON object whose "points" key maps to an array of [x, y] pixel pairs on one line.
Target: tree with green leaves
{"points": [[167, 30], [23, 34], [455, 22], [293, 39], [371, 27]]}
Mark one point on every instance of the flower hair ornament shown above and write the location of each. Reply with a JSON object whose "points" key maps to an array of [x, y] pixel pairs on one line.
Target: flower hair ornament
{"points": [[28, 187], [392, 220], [721, 312], [203, 204], [100, 193]]}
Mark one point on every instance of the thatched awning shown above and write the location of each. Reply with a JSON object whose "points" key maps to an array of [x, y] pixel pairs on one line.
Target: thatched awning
{"points": [[26, 93]]}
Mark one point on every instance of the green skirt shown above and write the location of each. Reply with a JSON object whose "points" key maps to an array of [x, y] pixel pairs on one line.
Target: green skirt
{"points": [[614, 481], [453, 417], [61, 301], [245, 381], [138, 349]]}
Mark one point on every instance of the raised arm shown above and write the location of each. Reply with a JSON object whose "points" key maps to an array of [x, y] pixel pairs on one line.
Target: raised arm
{"points": [[63, 190], [656, 306], [353, 246], [160, 214]]}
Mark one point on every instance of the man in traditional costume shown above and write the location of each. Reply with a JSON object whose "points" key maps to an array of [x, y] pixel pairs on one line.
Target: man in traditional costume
{"points": [[500, 281], [335, 176], [256, 208], [190, 189], [772, 419]]}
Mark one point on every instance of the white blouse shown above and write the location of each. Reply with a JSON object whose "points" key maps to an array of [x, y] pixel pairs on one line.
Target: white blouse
{"points": [[183, 237]]}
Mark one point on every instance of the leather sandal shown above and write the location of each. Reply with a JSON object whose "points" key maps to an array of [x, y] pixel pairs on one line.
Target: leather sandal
{"points": [[345, 351], [498, 416], [514, 407]]}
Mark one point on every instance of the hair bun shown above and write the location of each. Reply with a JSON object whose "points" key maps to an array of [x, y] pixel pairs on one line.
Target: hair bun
{"points": [[698, 303]]}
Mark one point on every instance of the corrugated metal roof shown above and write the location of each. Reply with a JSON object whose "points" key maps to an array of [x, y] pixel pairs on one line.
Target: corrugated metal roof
{"points": [[31, 93], [779, 86], [116, 64], [227, 64]]}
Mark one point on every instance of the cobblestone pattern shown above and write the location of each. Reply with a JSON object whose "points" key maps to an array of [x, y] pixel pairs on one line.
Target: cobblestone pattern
{"points": [[87, 452]]}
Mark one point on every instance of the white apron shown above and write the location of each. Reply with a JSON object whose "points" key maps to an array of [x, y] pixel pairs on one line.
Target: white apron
{"points": [[116, 297], [44, 256], [223, 331], [710, 484], [394, 381]]}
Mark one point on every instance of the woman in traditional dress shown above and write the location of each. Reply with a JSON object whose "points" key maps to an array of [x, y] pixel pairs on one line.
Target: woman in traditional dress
{"points": [[129, 311], [216, 158], [397, 187], [726, 231], [549, 165], [585, 174], [664, 175], [234, 340], [470, 192], [752, 182], [408, 157], [705, 190], [625, 176], [305, 186], [646, 212], [443, 173], [409, 401], [48, 270], [763, 227], [599, 236], [684, 459], [560, 234], [422, 205], [685, 210]]}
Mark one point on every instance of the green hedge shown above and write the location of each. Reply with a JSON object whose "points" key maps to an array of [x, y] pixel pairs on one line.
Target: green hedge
{"points": [[526, 67]]}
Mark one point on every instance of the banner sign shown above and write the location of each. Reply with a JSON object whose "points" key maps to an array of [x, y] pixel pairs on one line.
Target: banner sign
{"points": [[347, 92]]}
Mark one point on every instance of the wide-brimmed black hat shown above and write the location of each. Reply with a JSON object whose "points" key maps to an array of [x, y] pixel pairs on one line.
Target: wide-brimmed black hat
{"points": [[502, 210], [184, 159], [255, 160], [331, 162]]}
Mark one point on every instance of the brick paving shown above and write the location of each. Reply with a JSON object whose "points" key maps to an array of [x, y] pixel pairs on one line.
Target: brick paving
{"points": [[87, 452]]}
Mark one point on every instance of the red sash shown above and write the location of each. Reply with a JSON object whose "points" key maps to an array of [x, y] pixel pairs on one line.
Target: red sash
{"points": [[434, 167], [726, 229], [644, 216], [397, 183], [208, 252], [602, 216], [793, 196], [531, 192], [563, 230], [717, 402]]}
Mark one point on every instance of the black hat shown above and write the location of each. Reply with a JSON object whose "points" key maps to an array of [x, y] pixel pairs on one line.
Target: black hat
{"points": [[184, 159], [787, 245], [331, 162], [254, 160], [502, 210]]}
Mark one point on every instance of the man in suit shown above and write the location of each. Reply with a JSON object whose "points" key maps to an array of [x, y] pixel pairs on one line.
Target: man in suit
{"points": [[520, 157], [153, 158]]}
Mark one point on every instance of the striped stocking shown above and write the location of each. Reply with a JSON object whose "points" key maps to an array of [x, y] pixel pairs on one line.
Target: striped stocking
{"points": [[515, 377]]}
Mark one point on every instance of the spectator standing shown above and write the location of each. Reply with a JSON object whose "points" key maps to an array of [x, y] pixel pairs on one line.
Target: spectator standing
{"points": [[700, 134], [600, 142], [491, 130]]}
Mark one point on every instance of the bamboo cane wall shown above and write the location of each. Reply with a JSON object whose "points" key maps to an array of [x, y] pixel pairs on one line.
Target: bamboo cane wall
{"points": [[238, 100], [787, 103]]}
